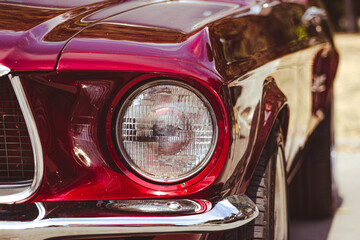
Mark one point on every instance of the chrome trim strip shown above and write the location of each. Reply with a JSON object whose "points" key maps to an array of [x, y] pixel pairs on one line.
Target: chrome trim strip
{"points": [[229, 213], [156, 206], [4, 70], [42, 211], [36, 146]]}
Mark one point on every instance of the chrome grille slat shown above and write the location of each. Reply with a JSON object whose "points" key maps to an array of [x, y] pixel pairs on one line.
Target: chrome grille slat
{"points": [[12, 136], [13, 128], [25, 164], [14, 150], [16, 154]]}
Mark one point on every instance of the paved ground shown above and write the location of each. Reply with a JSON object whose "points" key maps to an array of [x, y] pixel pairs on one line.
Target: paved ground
{"points": [[347, 91], [344, 224]]}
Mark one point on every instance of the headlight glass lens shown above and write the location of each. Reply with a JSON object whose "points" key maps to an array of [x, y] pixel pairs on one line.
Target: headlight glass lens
{"points": [[166, 131]]}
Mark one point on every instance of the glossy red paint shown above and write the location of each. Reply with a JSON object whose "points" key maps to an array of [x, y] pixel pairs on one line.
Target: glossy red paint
{"points": [[32, 34], [208, 56], [24, 31], [205, 177], [273, 102], [101, 49], [76, 62], [324, 70], [76, 153]]}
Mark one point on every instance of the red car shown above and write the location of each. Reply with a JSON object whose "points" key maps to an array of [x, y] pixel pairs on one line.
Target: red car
{"points": [[164, 119]]}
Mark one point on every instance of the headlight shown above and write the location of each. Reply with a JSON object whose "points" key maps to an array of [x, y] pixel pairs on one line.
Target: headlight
{"points": [[166, 131]]}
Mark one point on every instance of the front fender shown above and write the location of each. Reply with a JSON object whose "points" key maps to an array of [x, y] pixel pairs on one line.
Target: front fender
{"points": [[257, 102]]}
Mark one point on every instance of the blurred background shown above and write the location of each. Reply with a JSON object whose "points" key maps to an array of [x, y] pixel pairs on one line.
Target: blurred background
{"points": [[344, 14], [345, 18]]}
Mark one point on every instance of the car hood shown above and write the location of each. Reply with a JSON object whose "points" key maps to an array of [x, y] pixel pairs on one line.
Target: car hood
{"points": [[33, 32]]}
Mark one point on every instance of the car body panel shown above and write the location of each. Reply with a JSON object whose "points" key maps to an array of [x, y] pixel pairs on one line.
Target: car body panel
{"points": [[224, 60], [32, 34], [255, 62], [172, 49]]}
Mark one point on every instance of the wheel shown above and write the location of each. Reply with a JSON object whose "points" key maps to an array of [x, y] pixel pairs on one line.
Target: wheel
{"points": [[268, 190], [313, 191]]}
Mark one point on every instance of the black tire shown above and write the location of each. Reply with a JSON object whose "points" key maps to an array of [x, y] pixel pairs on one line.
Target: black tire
{"points": [[313, 191], [262, 191]]}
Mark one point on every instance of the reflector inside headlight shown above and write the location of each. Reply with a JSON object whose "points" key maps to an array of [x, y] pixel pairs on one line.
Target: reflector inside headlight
{"points": [[166, 131]]}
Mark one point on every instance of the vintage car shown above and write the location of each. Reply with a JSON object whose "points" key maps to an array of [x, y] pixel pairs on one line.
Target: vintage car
{"points": [[164, 119]]}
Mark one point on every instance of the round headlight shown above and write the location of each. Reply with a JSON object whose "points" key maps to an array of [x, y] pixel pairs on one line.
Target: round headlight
{"points": [[166, 131]]}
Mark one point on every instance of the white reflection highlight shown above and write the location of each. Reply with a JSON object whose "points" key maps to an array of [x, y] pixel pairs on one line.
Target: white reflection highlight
{"points": [[159, 193], [41, 210], [82, 156]]}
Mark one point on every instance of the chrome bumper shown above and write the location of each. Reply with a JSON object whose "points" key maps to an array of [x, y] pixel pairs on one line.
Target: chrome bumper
{"points": [[80, 219]]}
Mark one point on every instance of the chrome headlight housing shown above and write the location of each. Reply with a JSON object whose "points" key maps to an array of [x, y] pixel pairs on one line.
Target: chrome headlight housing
{"points": [[166, 131]]}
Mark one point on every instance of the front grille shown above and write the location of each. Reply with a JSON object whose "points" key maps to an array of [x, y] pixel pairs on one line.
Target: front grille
{"points": [[16, 155]]}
